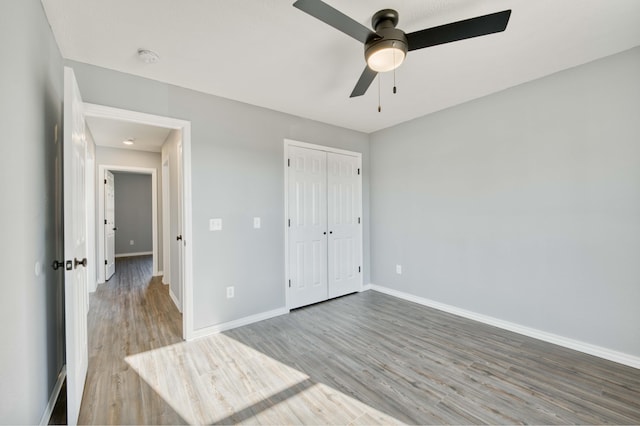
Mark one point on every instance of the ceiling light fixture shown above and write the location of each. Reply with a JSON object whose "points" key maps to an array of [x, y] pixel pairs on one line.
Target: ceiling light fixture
{"points": [[385, 49], [385, 56], [128, 141], [148, 56]]}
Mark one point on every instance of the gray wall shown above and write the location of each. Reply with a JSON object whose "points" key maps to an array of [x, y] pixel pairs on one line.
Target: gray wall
{"points": [[133, 213], [237, 173], [523, 205], [31, 306]]}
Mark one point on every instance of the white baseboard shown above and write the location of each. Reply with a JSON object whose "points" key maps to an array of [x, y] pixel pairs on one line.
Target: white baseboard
{"points": [[159, 274], [138, 253], [588, 348], [175, 300], [215, 329], [46, 416]]}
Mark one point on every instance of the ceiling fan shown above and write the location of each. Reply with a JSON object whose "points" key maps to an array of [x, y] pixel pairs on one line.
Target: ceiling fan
{"points": [[386, 47]]}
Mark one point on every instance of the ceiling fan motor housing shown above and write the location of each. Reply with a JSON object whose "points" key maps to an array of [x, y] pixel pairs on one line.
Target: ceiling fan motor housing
{"points": [[386, 35]]}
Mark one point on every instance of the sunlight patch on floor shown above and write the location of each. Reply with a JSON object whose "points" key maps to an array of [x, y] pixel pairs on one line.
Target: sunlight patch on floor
{"points": [[217, 379]]}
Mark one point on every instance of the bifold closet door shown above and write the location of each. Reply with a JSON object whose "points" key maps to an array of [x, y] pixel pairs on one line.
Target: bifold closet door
{"points": [[307, 226], [343, 204]]}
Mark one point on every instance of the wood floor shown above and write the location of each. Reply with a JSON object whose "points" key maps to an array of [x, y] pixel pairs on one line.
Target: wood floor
{"points": [[367, 358], [129, 314]]}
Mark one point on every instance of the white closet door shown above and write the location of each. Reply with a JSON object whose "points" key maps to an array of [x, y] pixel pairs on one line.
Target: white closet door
{"points": [[344, 263], [308, 226]]}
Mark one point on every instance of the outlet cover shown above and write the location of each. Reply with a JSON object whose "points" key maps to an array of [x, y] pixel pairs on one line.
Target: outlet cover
{"points": [[131, 242], [399, 269], [215, 224], [256, 222], [230, 292]]}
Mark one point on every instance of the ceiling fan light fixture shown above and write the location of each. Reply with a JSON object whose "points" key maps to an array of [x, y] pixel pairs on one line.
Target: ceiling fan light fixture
{"points": [[385, 56]]}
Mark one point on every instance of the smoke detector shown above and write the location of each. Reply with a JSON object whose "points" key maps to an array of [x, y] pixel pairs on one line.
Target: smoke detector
{"points": [[148, 56]]}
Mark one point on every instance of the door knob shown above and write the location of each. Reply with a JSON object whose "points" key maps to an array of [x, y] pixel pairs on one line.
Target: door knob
{"points": [[57, 265], [77, 262], [115, 229]]}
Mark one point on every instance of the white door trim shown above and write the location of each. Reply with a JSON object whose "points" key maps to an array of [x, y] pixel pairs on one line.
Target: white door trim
{"points": [[101, 111], [102, 168], [287, 144], [166, 224]]}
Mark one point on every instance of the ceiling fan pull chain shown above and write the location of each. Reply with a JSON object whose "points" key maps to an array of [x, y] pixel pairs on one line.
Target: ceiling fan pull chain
{"points": [[394, 71], [394, 82], [379, 106]]}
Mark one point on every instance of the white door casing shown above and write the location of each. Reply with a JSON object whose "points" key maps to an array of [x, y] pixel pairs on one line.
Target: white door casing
{"points": [[307, 226], [324, 230], [167, 239], [180, 238], [75, 245], [109, 225], [343, 195]]}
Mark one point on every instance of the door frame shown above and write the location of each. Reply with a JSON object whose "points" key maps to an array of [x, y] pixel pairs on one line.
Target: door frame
{"points": [[287, 144], [101, 111], [102, 168]]}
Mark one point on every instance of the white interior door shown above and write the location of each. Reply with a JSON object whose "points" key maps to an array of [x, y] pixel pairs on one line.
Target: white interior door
{"points": [[307, 226], [343, 222], [109, 225], [75, 245]]}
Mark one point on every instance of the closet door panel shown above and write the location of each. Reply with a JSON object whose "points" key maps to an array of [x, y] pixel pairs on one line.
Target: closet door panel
{"points": [[308, 223], [343, 183]]}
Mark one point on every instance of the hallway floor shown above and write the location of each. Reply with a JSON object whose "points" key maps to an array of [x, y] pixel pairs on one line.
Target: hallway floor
{"points": [[129, 314]]}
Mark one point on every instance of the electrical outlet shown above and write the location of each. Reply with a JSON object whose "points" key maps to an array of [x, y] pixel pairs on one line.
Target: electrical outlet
{"points": [[256, 222], [215, 224], [230, 292], [399, 269], [131, 242]]}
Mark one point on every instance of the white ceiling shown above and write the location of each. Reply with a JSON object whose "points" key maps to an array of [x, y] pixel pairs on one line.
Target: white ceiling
{"points": [[270, 54], [111, 133]]}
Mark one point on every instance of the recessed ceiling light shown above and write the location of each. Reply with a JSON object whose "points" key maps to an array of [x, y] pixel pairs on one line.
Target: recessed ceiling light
{"points": [[128, 141], [148, 56]]}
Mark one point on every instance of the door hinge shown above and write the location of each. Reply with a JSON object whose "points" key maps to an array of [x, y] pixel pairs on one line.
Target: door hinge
{"points": [[358, 220], [105, 262], [288, 162], [289, 283], [289, 220], [105, 221], [105, 181], [359, 269], [358, 171]]}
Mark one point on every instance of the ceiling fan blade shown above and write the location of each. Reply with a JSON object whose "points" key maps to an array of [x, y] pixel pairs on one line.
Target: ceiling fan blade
{"points": [[364, 82], [468, 28], [335, 18]]}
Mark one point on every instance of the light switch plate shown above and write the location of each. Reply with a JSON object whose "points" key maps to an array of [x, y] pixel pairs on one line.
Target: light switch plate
{"points": [[215, 224], [256, 222]]}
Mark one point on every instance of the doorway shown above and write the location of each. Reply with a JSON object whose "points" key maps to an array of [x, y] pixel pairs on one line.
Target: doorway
{"points": [[107, 226], [182, 128]]}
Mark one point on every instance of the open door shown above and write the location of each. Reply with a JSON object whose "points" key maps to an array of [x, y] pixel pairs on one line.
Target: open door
{"points": [[109, 225], [75, 245]]}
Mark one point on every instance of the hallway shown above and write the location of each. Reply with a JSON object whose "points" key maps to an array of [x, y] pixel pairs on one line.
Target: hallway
{"points": [[129, 314]]}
